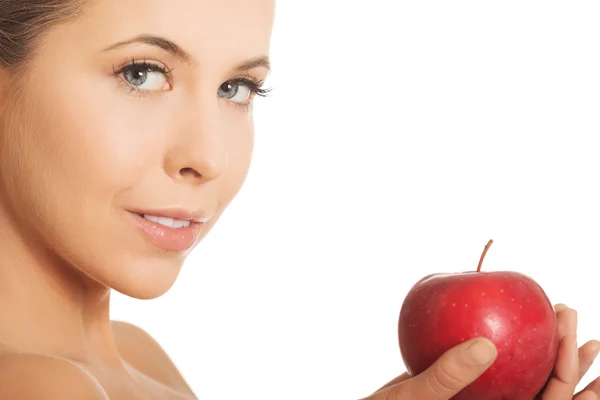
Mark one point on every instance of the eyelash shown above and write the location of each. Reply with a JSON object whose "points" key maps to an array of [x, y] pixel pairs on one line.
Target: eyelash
{"points": [[254, 85], [143, 66]]}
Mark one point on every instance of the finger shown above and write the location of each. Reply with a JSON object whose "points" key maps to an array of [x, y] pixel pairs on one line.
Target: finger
{"points": [[587, 355], [566, 370], [451, 373], [396, 380], [587, 395], [567, 322], [566, 374], [560, 307], [593, 386]]}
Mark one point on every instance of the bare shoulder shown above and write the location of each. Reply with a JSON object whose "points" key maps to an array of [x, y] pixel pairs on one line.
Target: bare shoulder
{"points": [[142, 352], [38, 377]]}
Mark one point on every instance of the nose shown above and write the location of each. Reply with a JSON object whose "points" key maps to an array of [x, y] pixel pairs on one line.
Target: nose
{"points": [[198, 152]]}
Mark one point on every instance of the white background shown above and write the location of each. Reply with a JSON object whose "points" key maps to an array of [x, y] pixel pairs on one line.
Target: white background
{"points": [[399, 138]]}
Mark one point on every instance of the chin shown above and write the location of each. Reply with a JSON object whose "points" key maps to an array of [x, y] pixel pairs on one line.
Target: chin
{"points": [[144, 278]]}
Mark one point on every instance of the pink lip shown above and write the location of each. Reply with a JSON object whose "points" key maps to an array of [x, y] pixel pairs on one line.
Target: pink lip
{"points": [[171, 239]]}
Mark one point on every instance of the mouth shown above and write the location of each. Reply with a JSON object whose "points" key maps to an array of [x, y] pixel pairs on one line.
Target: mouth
{"points": [[172, 230], [169, 222], [175, 214]]}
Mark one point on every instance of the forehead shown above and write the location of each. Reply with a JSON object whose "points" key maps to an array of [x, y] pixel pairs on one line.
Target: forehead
{"points": [[205, 28]]}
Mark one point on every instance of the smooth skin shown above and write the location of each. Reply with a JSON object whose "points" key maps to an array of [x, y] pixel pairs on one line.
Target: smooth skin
{"points": [[458, 367], [91, 128]]}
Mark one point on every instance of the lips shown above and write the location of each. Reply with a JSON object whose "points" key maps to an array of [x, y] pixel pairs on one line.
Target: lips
{"points": [[172, 230]]}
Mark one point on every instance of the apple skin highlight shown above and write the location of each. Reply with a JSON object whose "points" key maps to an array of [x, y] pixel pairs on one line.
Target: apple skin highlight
{"points": [[509, 308]]}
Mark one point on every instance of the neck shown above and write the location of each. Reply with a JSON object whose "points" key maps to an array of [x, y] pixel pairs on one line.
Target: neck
{"points": [[49, 307]]}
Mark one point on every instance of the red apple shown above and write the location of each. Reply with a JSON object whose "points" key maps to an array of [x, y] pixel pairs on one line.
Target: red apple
{"points": [[509, 308]]}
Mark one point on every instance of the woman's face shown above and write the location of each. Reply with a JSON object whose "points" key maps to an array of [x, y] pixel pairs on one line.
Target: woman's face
{"points": [[134, 107]]}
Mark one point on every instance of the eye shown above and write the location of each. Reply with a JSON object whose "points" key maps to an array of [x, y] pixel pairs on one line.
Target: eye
{"points": [[234, 91], [145, 76]]}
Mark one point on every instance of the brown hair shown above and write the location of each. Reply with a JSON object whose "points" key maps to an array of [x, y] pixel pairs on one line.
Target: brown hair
{"points": [[23, 24]]}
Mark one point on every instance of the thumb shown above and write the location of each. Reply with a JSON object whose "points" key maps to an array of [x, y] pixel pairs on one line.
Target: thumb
{"points": [[453, 371]]}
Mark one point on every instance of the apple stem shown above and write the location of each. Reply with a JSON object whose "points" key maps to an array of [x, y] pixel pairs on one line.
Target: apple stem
{"points": [[487, 246]]}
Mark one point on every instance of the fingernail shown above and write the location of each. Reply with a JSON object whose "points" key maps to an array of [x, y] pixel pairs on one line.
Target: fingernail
{"points": [[480, 352], [560, 307]]}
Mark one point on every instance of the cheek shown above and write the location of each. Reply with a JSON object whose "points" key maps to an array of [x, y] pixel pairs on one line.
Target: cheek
{"points": [[239, 150], [65, 160], [26, 180], [103, 149], [106, 140], [239, 140]]}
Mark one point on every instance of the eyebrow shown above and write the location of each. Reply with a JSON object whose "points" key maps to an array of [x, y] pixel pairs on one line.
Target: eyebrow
{"points": [[174, 49]]}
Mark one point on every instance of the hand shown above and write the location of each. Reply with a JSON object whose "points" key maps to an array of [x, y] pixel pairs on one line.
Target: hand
{"points": [[452, 372], [572, 363]]}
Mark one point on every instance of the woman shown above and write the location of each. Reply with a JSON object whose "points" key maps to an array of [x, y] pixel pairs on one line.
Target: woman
{"points": [[126, 129]]}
